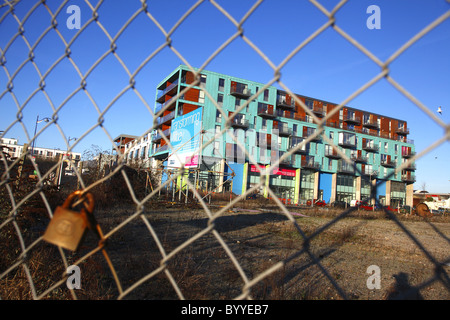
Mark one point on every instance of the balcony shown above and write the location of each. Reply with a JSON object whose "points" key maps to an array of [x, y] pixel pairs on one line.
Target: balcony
{"points": [[408, 178], [240, 90], [402, 131], [358, 158], [294, 142], [266, 111], [285, 102], [408, 154], [345, 168], [310, 164], [161, 152], [352, 119], [289, 161], [239, 122], [371, 147], [159, 136], [283, 129], [370, 124], [170, 89], [410, 167], [172, 103], [318, 111], [347, 143], [331, 153], [167, 118], [311, 132], [388, 163], [369, 172], [264, 140]]}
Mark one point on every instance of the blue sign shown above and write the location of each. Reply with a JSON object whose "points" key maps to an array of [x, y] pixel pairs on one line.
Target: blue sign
{"points": [[185, 139]]}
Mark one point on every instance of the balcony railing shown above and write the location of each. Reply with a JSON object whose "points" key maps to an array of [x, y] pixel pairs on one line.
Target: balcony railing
{"points": [[309, 133], [331, 153], [283, 102], [370, 147], [264, 140], [294, 142], [289, 161], [318, 111], [388, 163], [352, 119], [166, 118], [239, 122], [410, 167], [163, 105], [166, 90], [159, 136], [402, 131], [266, 111], [371, 124], [283, 130], [347, 143], [408, 178], [240, 90], [408, 154], [358, 158], [310, 164], [345, 168]]}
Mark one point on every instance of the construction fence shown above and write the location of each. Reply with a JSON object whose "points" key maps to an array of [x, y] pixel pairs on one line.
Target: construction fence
{"points": [[136, 203]]}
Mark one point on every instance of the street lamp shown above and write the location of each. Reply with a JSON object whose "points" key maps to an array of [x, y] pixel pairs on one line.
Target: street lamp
{"points": [[70, 139], [35, 129]]}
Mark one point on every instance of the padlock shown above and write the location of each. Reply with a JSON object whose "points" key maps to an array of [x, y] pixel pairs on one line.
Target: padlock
{"points": [[67, 227]]}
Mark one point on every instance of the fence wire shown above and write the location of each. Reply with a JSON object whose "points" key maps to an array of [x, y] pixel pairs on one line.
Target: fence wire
{"points": [[16, 201]]}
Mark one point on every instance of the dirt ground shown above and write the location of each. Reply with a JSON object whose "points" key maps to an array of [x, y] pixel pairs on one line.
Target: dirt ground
{"points": [[333, 264]]}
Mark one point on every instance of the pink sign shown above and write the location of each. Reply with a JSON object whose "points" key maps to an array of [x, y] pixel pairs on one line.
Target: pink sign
{"points": [[277, 171], [191, 161], [284, 172]]}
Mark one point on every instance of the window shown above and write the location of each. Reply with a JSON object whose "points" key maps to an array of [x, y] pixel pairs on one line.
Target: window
{"points": [[309, 103], [202, 81], [264, 124], [201, 96], [216, 147], [237, 102], [385, 147], [266, 95], [220, 99], [218, 116], [221, 84]]}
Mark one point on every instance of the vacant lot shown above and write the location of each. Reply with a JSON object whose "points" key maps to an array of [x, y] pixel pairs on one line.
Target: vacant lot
{"points": [[331, 265]]}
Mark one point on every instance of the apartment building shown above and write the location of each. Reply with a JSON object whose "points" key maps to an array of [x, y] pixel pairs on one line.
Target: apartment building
{"points": [[13, 150], [271, 124]]}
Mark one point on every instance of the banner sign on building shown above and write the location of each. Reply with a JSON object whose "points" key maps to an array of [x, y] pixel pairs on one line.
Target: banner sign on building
{"points": [[185, 139]]}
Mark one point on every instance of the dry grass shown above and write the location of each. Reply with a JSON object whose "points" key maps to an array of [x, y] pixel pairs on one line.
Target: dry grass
{"points": [[258, 240]]}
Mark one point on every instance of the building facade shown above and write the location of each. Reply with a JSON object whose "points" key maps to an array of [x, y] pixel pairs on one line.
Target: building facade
{"points": [[13, 150], [271, 124]]}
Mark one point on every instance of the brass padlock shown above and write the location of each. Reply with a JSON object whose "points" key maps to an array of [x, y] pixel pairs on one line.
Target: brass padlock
{"points": [[67, 227]]}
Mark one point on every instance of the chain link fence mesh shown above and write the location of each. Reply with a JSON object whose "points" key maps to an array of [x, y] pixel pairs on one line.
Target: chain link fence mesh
{"points": [[26, 261]]}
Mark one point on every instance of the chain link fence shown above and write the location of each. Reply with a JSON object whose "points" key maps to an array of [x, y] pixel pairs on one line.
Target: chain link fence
{"points": [[39, 270]]}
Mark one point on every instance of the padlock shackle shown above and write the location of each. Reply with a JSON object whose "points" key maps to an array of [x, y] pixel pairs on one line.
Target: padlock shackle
{"points": [[79, 193]]}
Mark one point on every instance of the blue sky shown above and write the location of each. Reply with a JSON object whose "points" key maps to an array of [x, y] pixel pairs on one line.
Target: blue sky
{"points": [[328, 68]]}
